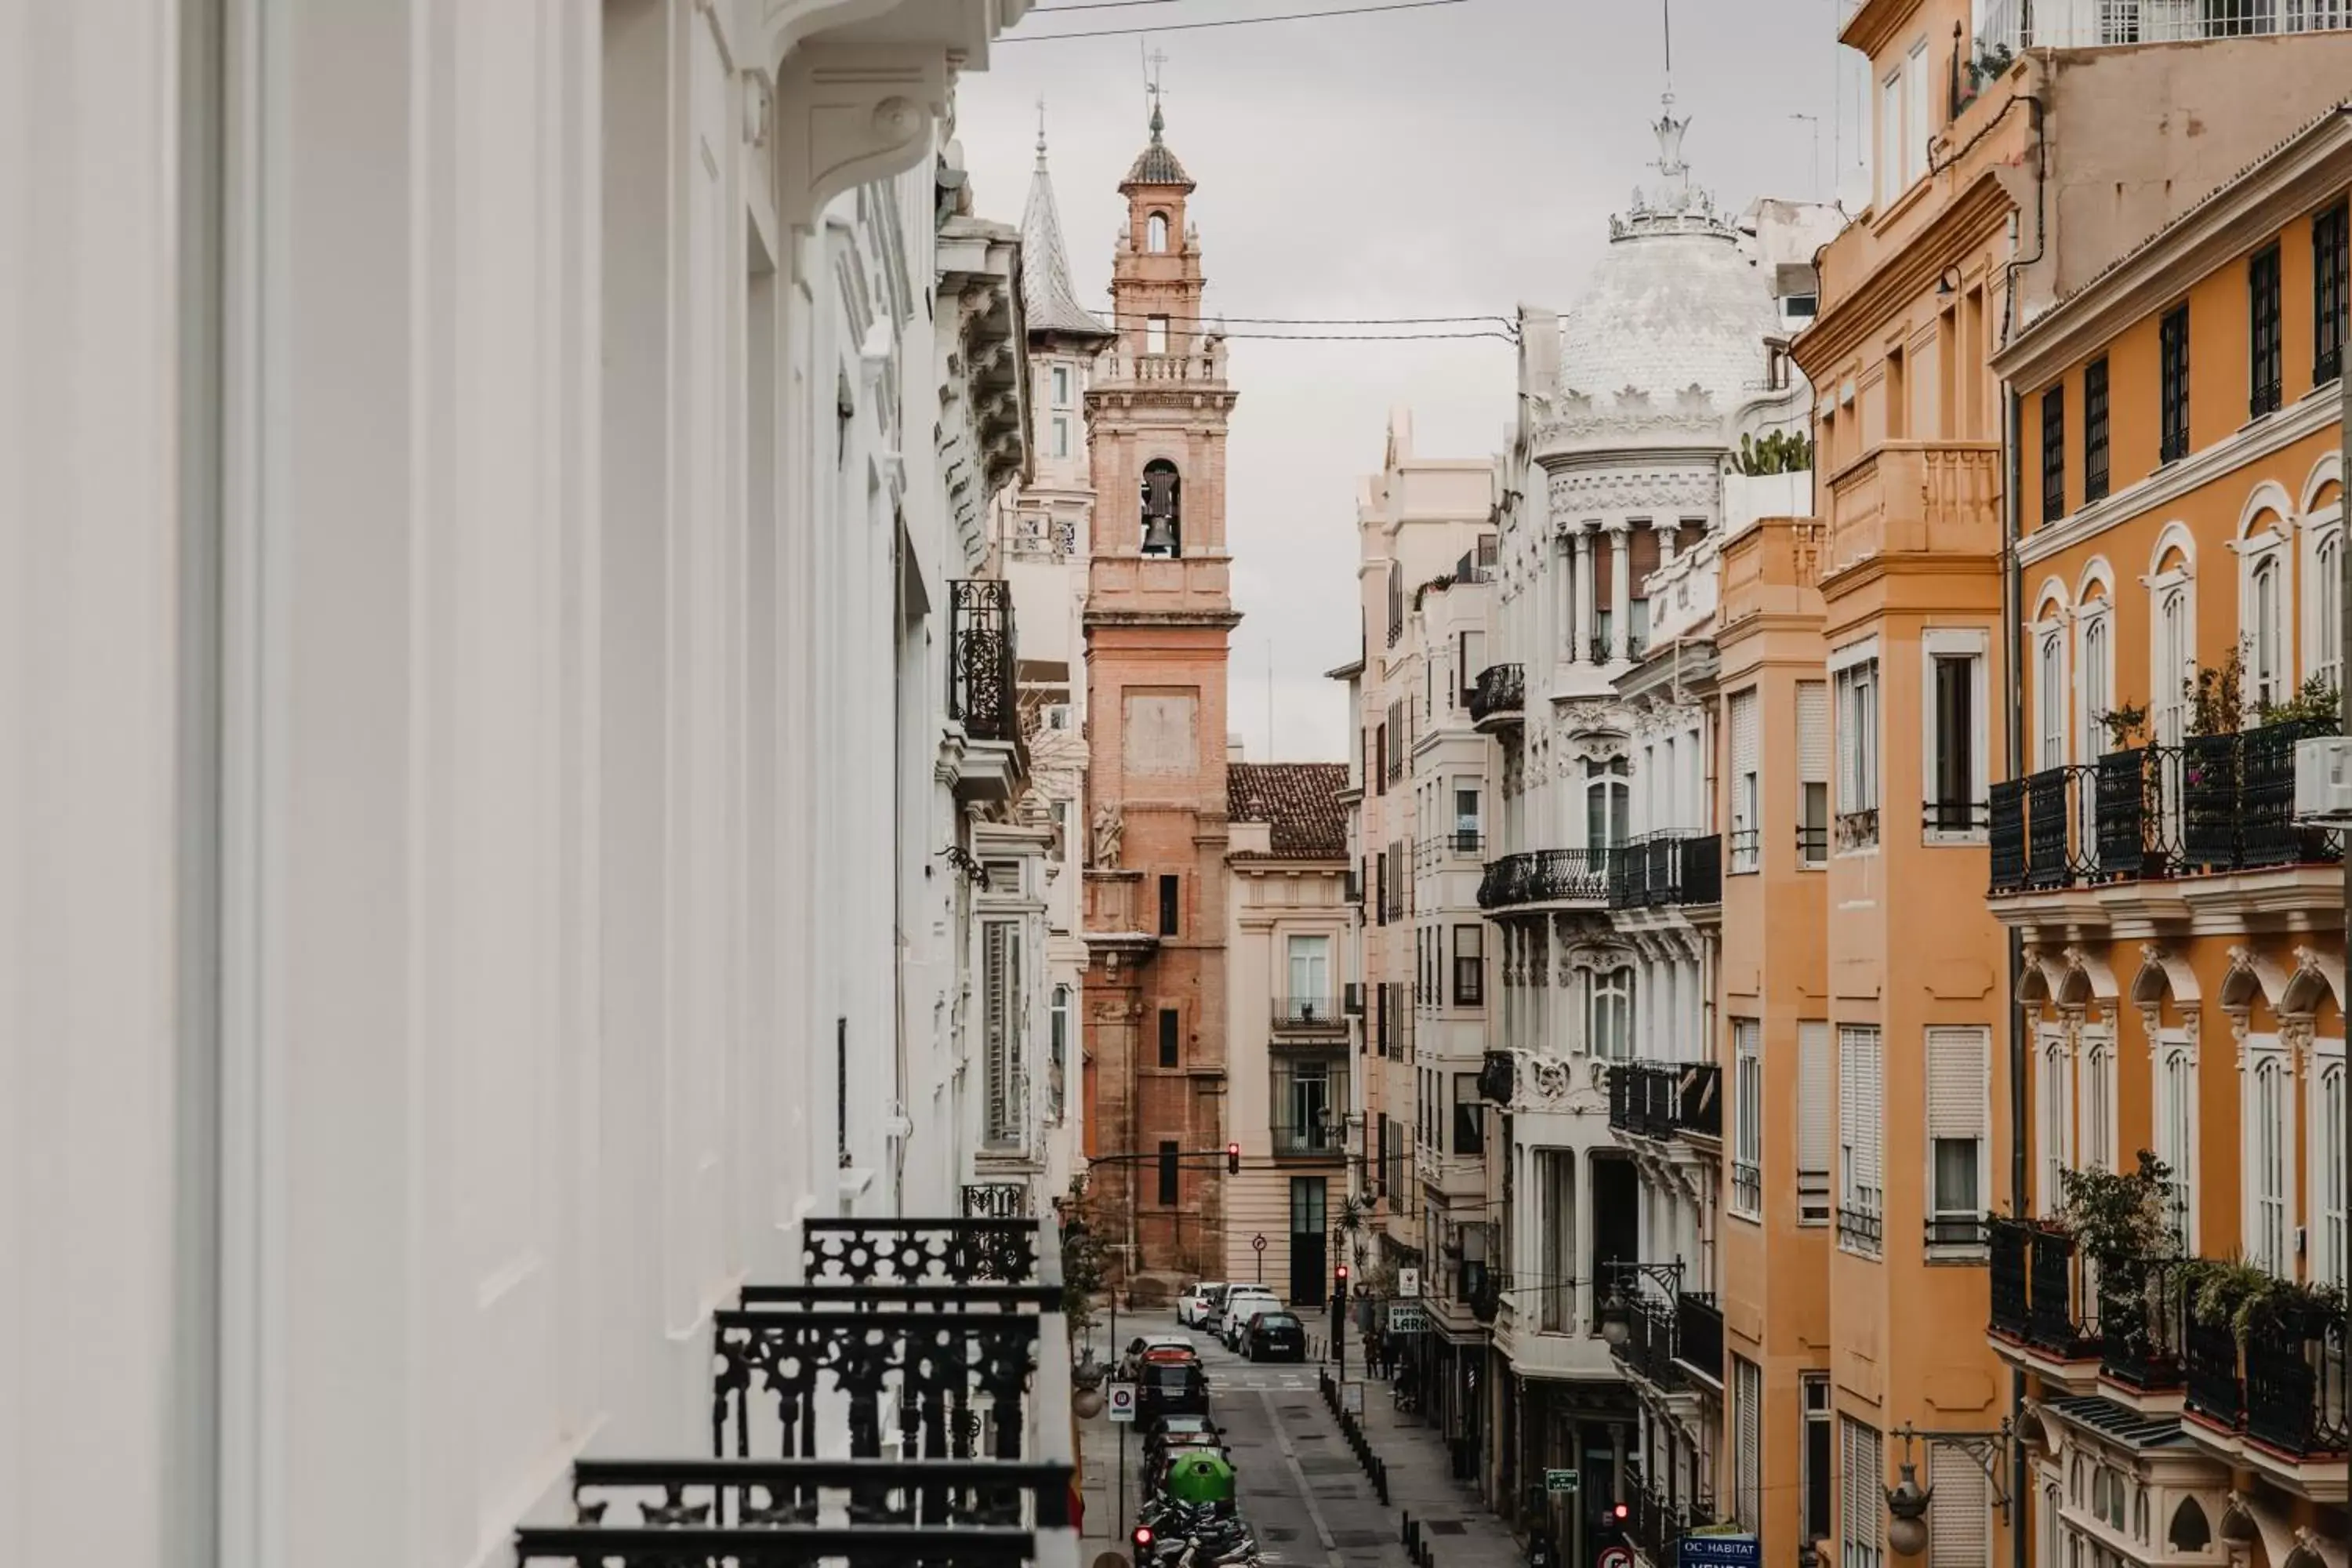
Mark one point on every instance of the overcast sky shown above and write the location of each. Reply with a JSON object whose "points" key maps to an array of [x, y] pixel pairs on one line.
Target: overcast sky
{"points": [[1451, 161]]}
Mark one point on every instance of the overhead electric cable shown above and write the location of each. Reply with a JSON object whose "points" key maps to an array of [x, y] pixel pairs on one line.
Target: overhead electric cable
{"points": [[1231, 22]]}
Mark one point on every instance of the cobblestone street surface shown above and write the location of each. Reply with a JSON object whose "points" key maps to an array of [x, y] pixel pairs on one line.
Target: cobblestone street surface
{"points": [[1300, 1487]]}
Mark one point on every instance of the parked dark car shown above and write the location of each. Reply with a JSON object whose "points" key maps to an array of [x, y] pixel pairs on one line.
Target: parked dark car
{"points": [[1274, 1336], [1170, 1387]]}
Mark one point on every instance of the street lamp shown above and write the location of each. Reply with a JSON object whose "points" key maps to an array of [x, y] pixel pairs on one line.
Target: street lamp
{"points": [[1907, 1502], [1616, 1317]]}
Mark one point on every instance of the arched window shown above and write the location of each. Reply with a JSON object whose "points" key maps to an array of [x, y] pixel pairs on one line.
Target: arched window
{"points": [[2168, 686], [2265, 664], [2050, 698], [1609, 1017], [2093, 678], [1608, 800], [1163, 504], [2190, 1531], [2269, 1156], [2327, 609], [1155, 231]]}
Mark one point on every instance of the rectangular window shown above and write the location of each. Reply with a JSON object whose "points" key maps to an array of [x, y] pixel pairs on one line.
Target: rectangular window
{"points": [[1812, 772], [2327, 1166], [1746, 795], [1860, 1112], [2172, 384], [1168, 906], [1747, 1442], [1381, 761], [1814, 1499], [2331, 291], [1155, 335], [1958, 1069], [1747, 1118], [2054, 456], [1890, 139], [1467, 824], [2270, 1158], [1916, 107], [1311, 981], [1169, 1053], [2054, 1098], [1061, 434], [1469, 1131], [1861, 1508], [2265, 335], [2176, 1130], [2095, 431], [1168, 1173], [1857, 742], [1956, 788], [1061, 386], [1000, 1013], [1814, 1123], [1469, 966]]}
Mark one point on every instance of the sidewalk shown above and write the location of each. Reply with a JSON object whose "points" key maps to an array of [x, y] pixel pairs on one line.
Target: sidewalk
{"points": [[1455, 1521]]}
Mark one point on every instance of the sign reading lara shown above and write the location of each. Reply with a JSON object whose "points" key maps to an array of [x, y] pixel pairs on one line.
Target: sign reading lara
{"points": [[1698, 1550]]}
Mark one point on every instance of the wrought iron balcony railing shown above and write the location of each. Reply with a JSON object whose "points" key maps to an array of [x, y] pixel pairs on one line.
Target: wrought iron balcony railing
{"points": [[938, 1344], [1661, 870], [2213, 804], [997, 1200], [1547, 875], [1698, 1334], [1501, 691], [1318, 1014], [2140, 1322], [983, 693], [1661, 1100], [2009, 1244], [2282, 1385], [2061, 1314], [1656, 1521]]}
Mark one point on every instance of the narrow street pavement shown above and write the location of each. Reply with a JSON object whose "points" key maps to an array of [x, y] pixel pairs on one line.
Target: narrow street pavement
{"points": [[1301, 1488]]}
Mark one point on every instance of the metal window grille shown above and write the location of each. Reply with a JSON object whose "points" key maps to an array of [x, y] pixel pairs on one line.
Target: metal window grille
{"points": [[2172, 391], [2264, 373], [2054, 455], [2331, 289], [2094, 432]]}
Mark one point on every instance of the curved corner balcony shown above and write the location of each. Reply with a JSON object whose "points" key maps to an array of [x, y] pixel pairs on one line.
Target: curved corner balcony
{"points": [[1547, 877], [1498, 698]]}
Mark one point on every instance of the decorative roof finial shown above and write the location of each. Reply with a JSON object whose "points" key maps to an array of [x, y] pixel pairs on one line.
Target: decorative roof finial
{"points": [[1153, 61], [1041, 131]]}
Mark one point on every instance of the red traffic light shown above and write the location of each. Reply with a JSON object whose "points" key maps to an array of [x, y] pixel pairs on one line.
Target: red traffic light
{"points": [[1343, 1271], [1143, 1535], [1232, 1159], [1618, 1510]]}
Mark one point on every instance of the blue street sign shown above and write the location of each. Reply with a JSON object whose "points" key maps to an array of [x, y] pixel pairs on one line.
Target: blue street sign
{"points": [[1718, 1551]]}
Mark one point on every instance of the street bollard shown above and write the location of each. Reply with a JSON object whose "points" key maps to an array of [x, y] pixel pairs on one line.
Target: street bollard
{"points": [[1404, 1529]]}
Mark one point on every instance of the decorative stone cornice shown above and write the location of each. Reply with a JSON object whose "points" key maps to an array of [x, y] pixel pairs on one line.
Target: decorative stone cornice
{"points": [[1579, 494]]}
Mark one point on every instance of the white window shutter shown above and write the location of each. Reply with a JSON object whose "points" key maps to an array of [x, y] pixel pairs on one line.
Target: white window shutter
{"points": [[1848, 725], [1956, 1082], [1961, 1524], [1748, 1456], [1861, 1521], [1849, 1116], [1813, 1098], [1743, 732], [1873, 1117], [1812, 733]]}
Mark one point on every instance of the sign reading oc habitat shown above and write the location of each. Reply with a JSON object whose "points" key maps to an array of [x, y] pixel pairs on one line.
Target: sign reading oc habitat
{"points": [[1718, 1551]]}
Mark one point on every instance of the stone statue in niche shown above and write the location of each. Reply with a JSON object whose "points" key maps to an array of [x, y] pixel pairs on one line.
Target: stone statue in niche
{"points": [[1108, 827]]}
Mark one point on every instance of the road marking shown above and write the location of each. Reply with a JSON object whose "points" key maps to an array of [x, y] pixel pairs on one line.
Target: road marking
{"points": [[1305, 1493]]}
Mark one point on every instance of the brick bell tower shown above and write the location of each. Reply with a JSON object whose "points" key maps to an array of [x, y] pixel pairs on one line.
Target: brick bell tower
{"points": [[1158, 615]]}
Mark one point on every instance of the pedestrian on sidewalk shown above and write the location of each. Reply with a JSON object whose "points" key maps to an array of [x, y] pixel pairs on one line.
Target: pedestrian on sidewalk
{"points": [[1374, 1345]]}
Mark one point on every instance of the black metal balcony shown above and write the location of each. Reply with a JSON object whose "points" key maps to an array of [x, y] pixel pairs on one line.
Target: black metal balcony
{"points": [[939, 1347], [1310, 1015], [2010, 1246], [2295, 1386], [2213, 804], [1655, 1522], [983, 694], [997, 1200], [2139, 1323], [1699, 1336], [1661, 1100], [1662, 870], [1500, 693], [2210, 1345], [2062, 1320], [1547, 875]]}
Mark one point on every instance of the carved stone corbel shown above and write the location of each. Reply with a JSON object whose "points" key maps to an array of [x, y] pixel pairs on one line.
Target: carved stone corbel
{"points": [[852, 114]]}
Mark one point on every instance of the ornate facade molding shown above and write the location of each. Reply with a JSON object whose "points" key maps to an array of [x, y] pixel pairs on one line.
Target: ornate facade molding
{"points": [[1669, 494]]}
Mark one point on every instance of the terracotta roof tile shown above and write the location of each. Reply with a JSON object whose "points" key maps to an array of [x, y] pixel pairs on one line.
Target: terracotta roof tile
{"points": [[1301, 800]]}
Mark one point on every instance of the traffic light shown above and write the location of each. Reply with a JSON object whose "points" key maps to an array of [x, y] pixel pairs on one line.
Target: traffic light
{"points": [[1339, 1288], [1232, 1159], [1143, 1537]]}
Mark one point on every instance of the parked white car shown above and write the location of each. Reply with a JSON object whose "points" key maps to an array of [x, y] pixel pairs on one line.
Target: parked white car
{"points": [[1242, 1303], [1193, 1306]]}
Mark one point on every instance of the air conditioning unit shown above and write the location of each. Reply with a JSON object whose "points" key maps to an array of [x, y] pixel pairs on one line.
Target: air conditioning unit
{"points": [[2323, 782]]}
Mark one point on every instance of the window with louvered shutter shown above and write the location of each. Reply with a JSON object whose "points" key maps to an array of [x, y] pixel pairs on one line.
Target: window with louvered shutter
{"points": [[1812, 772], [1961, 1524], [1746, 792], [1748, 1456], [1958, 1076], [1000, 1004], [1643, 546], [1861, 1524], [1814, 1123], [1860, 1113]]}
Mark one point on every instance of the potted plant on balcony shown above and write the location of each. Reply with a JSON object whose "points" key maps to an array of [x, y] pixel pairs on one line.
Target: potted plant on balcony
{"points": [[2127, 727], [2119, 1214], [2252, 1300]]}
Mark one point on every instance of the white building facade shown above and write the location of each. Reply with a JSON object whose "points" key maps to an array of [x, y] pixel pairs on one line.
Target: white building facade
{"points": [[1605, 884], [503, 770]]}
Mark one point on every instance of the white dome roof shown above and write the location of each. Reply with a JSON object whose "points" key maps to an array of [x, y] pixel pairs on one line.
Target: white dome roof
{"points": [[1668, 309]]}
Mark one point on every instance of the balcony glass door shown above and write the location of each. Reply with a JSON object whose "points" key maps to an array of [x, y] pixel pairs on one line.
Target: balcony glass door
{"points": [[1310, 979]]}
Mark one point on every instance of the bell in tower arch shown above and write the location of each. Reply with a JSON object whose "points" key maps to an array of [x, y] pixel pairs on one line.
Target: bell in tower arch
{"points": [[1162, 523]]}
